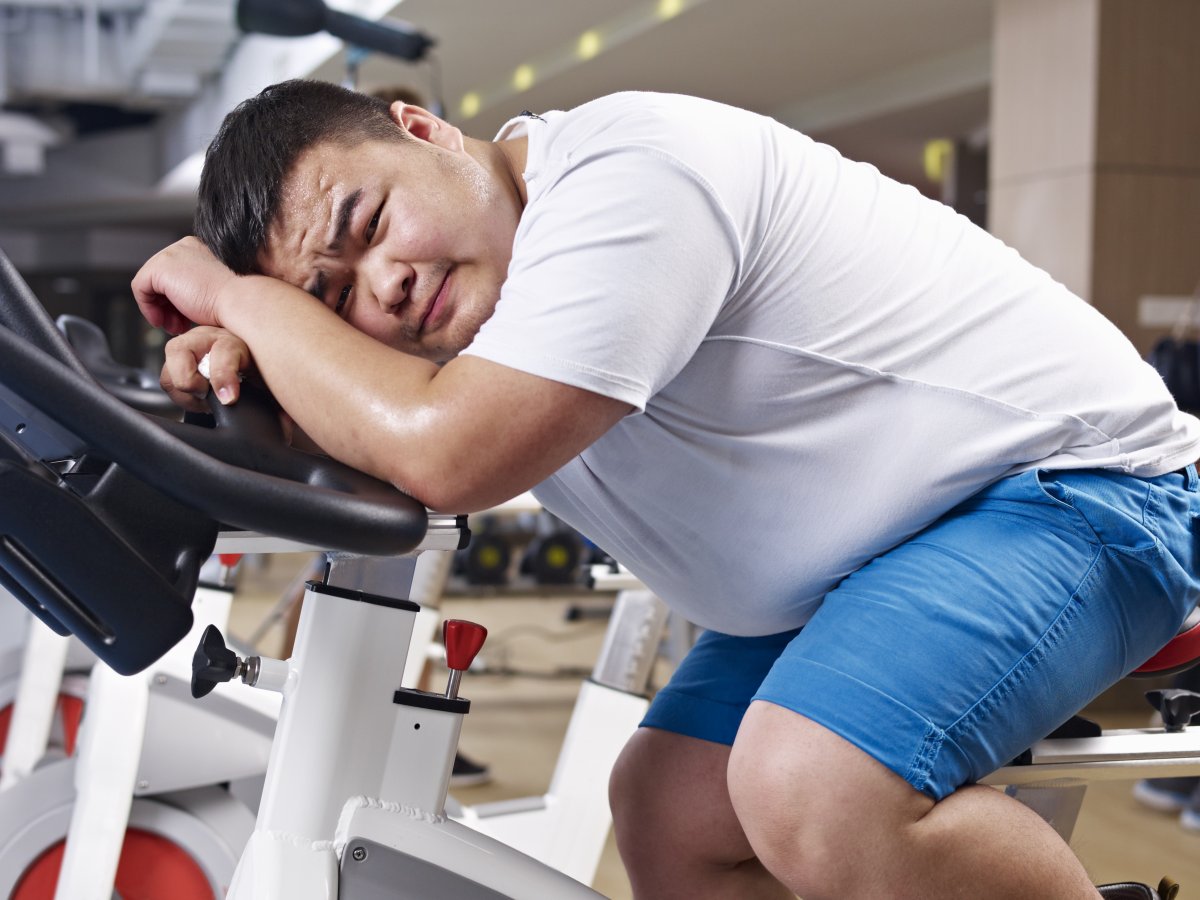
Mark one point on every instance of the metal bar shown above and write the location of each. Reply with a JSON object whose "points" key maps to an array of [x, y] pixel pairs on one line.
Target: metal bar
{"points": [[1124, 754]]}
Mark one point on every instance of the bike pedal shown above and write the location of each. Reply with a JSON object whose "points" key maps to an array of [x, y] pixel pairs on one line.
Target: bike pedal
{"points": [[1135, 890]]}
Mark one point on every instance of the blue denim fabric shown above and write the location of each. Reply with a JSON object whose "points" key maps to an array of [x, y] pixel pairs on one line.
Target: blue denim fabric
{"points": [[950, 654]]}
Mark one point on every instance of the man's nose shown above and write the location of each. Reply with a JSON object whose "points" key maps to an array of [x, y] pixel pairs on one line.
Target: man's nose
{"points": [[390, 283]]}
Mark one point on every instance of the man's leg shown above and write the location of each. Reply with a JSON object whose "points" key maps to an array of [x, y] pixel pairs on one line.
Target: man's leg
{"points": [[676, 829], [940, 661], [831, 822]]}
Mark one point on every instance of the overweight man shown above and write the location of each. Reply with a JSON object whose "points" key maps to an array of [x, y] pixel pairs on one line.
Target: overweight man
{"points": [[924, 501]]}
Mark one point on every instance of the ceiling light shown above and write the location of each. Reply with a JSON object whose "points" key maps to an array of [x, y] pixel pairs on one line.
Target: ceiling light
{"points": [[668, 9], [937, 158], [470, 105], [590, 44], [523, 78], [635, 20]]}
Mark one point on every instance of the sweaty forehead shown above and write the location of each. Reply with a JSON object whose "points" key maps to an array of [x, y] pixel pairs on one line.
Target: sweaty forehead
{"points": [[297, 233]]}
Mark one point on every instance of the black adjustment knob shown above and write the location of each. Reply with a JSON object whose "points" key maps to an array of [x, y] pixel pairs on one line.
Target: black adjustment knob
{"points": [[1176, 706], [212, 663]]}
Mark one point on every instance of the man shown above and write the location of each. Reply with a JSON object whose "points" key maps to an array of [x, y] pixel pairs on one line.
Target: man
{"points": [[785, 391]]}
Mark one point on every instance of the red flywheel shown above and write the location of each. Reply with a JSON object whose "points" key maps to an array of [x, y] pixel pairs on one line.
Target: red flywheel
{"points": [[151, 868]]}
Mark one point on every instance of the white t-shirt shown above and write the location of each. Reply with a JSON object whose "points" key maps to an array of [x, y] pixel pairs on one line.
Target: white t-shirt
{"points": [[823, 360]]}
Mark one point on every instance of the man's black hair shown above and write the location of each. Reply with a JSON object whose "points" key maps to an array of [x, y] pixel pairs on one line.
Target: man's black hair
{"points": [[257, 146]]}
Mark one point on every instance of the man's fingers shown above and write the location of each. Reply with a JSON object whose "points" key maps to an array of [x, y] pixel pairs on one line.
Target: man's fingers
{"points": [[226, 361], [174, 322], [204, 355], [180, 377], [161, 314], [151, 299], [187, 397], [176, 287]]}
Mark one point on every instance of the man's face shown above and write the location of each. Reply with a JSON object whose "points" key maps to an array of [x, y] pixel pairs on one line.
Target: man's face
{"points": [[408, 241]]}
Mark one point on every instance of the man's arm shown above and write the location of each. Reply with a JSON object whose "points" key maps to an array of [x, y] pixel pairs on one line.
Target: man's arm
{"points": [[458, 438]]}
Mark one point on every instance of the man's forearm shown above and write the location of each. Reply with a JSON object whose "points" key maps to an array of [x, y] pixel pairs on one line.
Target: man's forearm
{"points": [[363, 402], [459, 438]]}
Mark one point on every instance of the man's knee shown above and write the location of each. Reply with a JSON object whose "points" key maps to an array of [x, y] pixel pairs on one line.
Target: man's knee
{"points": [[641, 786], [779, 808], [809, 801], [670, 801], [630, 784]]}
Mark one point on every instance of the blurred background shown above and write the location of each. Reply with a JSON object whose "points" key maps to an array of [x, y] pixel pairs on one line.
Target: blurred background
{"points": [[1070, 128]]}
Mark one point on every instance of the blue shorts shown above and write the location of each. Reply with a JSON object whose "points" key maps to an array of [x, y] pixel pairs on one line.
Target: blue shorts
{"points": [[950, 654]]}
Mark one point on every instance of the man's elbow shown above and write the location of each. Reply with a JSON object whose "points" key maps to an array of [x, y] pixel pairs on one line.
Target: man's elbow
{"points": [[448, 489]]}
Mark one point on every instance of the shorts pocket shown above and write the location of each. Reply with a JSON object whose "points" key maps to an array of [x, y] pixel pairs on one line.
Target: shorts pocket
{"points": [[1052, 489], [1049, 488]]}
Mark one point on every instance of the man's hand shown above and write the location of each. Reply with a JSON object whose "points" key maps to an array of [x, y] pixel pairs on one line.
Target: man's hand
{"points": [[228, 357], [180, 286]]}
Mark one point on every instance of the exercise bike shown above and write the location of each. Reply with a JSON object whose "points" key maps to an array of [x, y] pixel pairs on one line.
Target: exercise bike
{"points": [[159, 798], [78, 802], [43, 676], [42, 689]]}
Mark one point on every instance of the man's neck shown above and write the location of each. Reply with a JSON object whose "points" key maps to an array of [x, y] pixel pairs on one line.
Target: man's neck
{"points": [[507, 161]]}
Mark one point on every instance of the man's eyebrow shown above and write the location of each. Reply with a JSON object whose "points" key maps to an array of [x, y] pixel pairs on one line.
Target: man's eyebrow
{"points": [[345, 212], [317, 288], [342, 217]]}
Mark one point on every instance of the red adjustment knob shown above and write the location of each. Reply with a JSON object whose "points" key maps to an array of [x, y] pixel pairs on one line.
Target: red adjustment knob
{"points": [[229, 560], [462, 640]]}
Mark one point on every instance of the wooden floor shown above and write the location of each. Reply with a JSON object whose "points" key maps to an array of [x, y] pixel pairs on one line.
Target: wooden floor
{"points": [[517, 721]]}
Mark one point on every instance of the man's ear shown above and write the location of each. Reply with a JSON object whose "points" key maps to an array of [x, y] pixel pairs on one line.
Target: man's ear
{"points": [[425, 126]]}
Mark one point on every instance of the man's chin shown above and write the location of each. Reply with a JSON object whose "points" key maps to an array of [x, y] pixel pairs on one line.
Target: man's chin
{"points": [[438, 354], [450, 339]]}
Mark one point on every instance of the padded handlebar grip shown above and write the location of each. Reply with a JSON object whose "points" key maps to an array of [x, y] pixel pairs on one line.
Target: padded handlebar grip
{"points": [[134, 387]]}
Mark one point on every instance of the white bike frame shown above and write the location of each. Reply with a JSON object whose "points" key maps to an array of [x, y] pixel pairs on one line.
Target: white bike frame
{"points": [[1054, 782], [142, 735], [356, 785]]}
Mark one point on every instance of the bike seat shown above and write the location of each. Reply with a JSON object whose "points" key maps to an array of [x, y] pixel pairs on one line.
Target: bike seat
{"points": [[1181, 652], [109, 513]]}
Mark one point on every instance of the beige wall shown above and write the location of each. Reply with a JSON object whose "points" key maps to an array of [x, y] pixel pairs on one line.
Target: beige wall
{"points": [[1095, 156]]}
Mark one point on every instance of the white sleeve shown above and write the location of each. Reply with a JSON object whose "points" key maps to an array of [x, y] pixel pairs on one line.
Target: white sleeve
{"points": [[619, 269]]}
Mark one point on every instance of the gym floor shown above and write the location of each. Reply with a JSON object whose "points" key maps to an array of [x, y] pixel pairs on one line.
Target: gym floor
{"points": [[533, 662]]}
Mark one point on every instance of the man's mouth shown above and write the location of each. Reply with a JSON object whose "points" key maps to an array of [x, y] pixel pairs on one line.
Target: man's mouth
{"points": [[433, 314]]}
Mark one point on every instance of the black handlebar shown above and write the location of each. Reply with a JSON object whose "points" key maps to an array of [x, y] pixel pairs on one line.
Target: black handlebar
{"points": [[108, 513], [244, 477], [24, 316], [133, 387]]}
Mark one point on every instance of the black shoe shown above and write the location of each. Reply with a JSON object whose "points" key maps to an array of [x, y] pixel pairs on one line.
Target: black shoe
{"points": [[1166, 794], [1130, 890], [468, 773]]}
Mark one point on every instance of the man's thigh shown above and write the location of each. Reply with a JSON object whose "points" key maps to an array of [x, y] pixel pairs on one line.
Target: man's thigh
{"points": [[949, 655]]}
